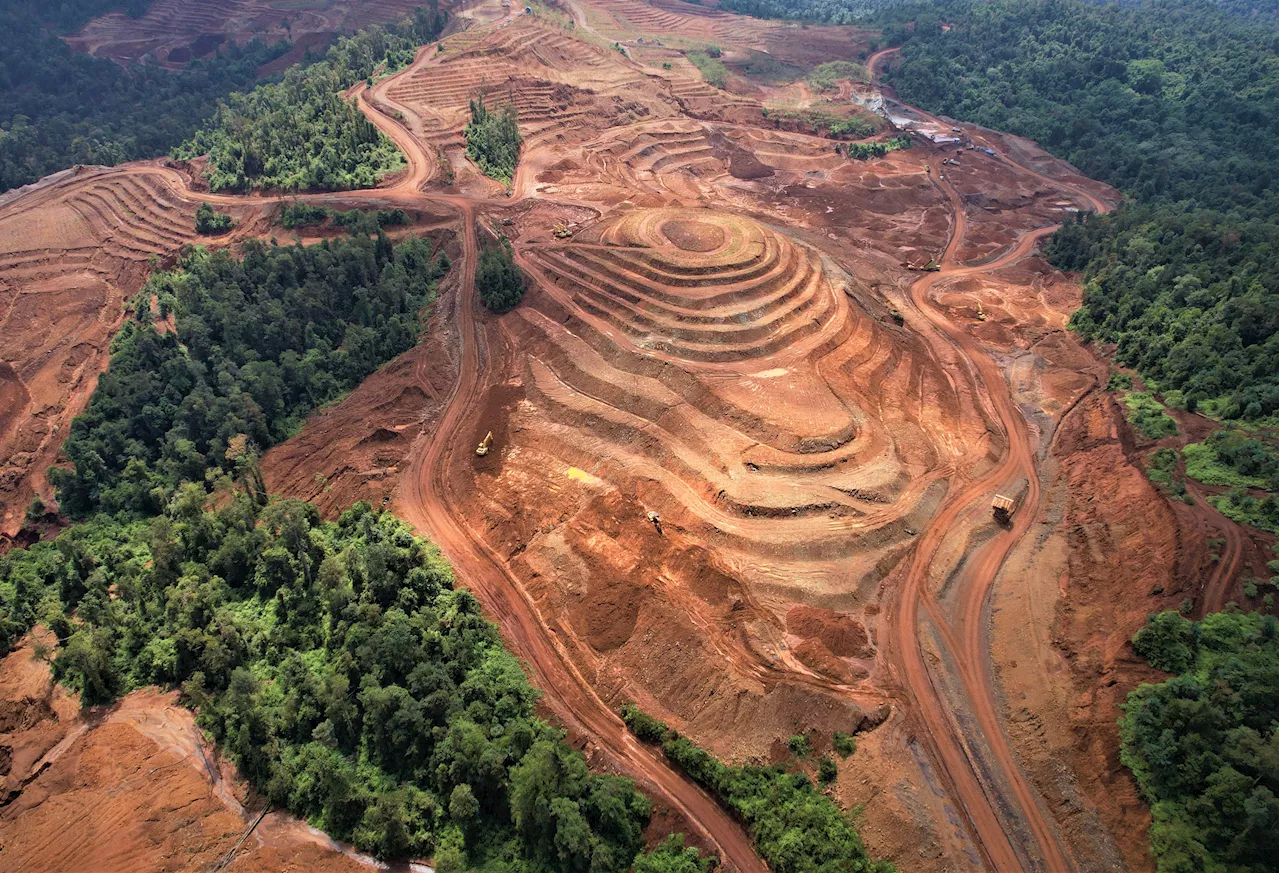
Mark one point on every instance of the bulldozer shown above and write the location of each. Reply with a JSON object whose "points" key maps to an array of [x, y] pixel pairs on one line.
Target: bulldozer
{"points": [[483, 448]]}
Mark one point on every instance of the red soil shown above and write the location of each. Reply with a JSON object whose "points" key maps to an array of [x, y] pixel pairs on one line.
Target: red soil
{"points": [[129, 787], [720, 328], [174, 31]]}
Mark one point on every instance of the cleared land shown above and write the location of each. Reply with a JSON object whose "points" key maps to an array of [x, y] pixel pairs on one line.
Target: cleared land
{"points": [[723, 327], [175, 31]]}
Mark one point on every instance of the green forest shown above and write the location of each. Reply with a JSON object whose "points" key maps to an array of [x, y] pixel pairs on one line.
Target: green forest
{"points": [[334, 662], [63, 108], [795, 827], [260, 342], [493, 139], [300, 133], [1202, 744], [342, 671], [863, 151], [825, 11]]}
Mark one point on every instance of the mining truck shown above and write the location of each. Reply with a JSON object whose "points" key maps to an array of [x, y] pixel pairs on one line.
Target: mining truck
{"points": [[1003, 506]]}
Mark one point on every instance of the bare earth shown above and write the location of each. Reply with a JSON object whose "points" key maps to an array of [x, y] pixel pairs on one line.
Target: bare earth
{"points": [[721, 328]]}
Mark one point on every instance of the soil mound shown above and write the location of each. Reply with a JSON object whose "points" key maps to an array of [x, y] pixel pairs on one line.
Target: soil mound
{"points": [[130, 787]]}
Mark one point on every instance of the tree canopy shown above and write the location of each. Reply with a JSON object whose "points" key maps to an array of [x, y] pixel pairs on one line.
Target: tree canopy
{"points": [[493, 139], [1202, 745], [260, 342], [499, 280], [301, 133]]}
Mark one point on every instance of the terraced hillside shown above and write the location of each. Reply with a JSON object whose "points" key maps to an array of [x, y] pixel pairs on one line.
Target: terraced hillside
{"points": [[559, 85], [174, 31], [70, 254], [713, 369], [726, 325]]}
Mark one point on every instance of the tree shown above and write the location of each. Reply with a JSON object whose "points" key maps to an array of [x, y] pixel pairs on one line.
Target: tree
{"points": [[212, 223], [463, 805], [499, 280], [493, 139]]}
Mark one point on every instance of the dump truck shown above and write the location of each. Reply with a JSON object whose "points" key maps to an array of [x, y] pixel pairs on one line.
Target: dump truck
{"points": [[483, 448], [1003, 506]]}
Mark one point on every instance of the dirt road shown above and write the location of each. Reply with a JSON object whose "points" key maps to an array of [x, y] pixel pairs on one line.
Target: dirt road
{"points": [[424, 501], [963, 634], [1218, 589], [984, 796]]}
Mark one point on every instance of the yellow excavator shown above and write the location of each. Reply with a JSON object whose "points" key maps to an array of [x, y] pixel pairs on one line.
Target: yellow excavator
{"points": [[483, 448]]}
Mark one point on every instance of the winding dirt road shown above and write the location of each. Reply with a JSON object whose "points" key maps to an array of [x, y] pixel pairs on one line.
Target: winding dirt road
{"points": [[1218, 589], [425, 501], [962, 636]]}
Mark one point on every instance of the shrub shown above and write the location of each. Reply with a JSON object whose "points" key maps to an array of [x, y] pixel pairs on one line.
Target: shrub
{"points": [[712, 68], [1148, 415], [647, 728], [843, 743], [827, 770], [212, 223], [825, 76], [299, 214]]}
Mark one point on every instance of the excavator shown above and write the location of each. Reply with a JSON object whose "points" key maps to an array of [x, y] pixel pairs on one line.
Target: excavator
{"points": [[931, 267], [483, 448], [655, 520]]}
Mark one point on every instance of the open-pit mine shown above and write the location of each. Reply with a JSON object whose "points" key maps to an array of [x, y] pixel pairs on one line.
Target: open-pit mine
{"points": [[748, 425]]}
